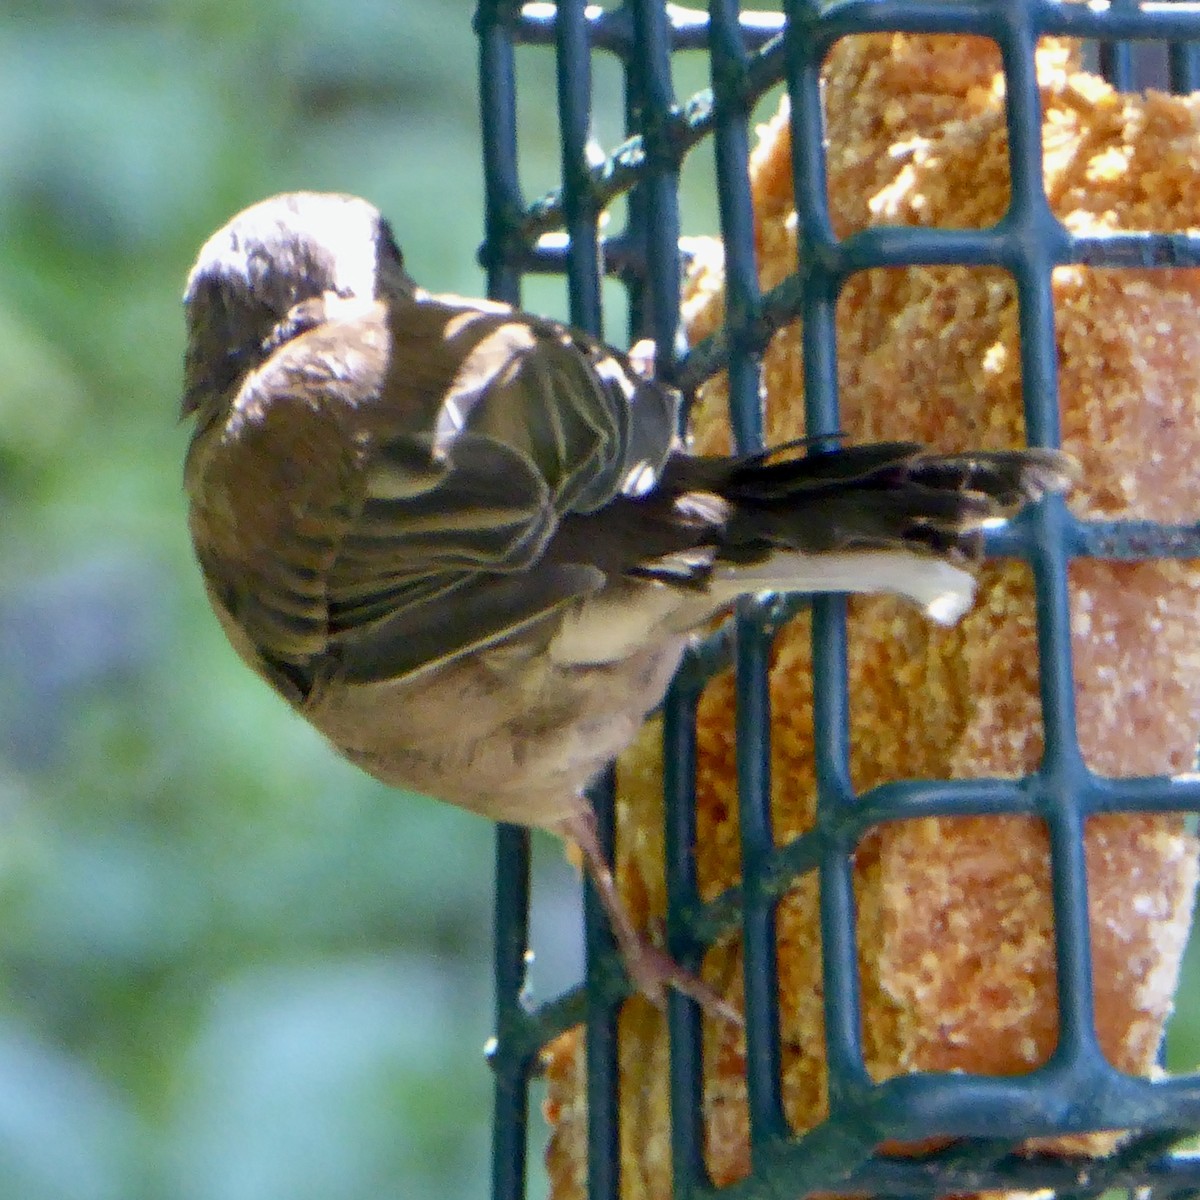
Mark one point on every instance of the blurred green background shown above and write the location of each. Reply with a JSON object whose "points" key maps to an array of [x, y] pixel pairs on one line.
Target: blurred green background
{"points": [[233, 967]]}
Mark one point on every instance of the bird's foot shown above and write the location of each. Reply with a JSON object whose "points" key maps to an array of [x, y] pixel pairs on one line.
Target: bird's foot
{"points": [[650, 968], [653, 971]]}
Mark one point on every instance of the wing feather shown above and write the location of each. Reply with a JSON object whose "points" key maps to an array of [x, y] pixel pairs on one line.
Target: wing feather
{"points": [[390, 480]]}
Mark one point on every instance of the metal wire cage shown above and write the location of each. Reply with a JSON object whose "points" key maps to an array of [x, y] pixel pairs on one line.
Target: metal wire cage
{"points": [[749, 52]]}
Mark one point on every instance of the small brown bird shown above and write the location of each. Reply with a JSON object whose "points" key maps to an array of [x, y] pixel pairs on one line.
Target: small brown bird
{"points": [[468, 544]]}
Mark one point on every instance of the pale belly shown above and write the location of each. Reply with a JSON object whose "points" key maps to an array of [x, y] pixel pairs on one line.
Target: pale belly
{"points": [[506, 733]]}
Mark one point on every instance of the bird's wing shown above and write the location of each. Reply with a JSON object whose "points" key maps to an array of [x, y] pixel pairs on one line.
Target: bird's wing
{"points": [[492, 428], [275, 489], [393, 480]]}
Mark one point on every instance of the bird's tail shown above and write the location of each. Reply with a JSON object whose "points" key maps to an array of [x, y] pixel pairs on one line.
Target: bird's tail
{"points": [[889, 517]]}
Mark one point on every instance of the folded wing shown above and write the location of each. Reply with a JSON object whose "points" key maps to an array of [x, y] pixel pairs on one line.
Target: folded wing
{"points": [[381, 554]]}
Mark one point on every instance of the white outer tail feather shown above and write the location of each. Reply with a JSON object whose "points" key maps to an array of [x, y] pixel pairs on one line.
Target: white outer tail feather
{"points": [[616, 623], [944, 591]]}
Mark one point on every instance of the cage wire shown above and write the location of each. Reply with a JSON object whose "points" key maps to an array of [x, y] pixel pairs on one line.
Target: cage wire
{"points": [[1077, 1089]]}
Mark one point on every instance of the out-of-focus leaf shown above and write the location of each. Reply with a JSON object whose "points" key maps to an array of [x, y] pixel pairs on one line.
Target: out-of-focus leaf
{"points": [[333, 1079], [40, 394], [63, 1134]]}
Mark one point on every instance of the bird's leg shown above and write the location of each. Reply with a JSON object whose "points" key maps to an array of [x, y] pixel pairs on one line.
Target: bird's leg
{"points": [[650, 968]]}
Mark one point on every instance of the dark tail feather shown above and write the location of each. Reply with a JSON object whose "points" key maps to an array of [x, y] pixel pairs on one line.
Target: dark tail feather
{"points": [[706, 514], [880, 496]]}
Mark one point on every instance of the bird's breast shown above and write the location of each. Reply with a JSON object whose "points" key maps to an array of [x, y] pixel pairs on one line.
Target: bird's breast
{"points": [[506, 733]]}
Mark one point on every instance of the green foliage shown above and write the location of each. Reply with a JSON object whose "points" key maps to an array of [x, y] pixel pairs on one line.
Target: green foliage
{"points": [[234, 967]]}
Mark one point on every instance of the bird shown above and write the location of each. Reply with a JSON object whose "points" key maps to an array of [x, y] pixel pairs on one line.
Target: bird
{"points": [[470, 544]]}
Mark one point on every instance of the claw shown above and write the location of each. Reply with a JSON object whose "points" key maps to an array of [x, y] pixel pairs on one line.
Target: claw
{"points": [[650, 968]]}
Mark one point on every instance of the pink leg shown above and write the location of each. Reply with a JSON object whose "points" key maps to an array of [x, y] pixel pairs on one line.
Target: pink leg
{"points": [[651, 969]]}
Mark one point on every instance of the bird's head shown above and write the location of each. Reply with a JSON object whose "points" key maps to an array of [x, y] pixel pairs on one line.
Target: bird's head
{"points": [[279, 253]]}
